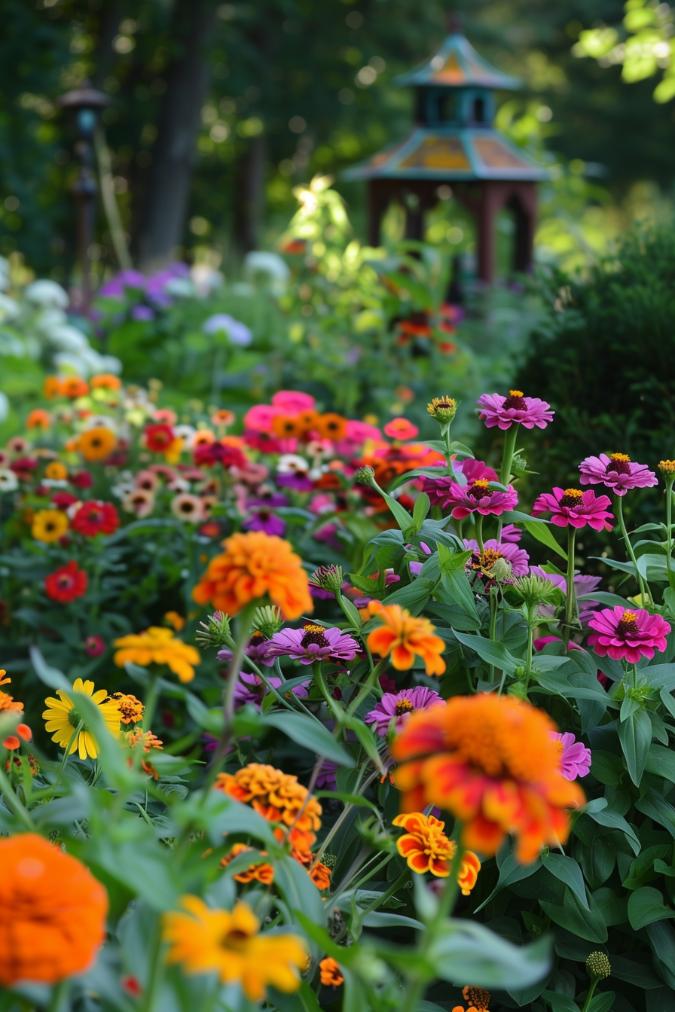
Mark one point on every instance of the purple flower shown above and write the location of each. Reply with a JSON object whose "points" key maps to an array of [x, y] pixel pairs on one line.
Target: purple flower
{"points": [[257, 650], [493, 550], [616, 471], [326, 777], [397, 706], [511, 533], [468, 471], [313, 643], [250, 688], [576, 758], [264, 520], [516, 409], [630, 635], [222, 323], [142, 313]]}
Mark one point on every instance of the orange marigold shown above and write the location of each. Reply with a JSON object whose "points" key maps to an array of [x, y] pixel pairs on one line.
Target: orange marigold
{"points": [[260, 872], [105, 381], [493, 762], [54, 912], [280, 798], [253, 565], [320, 875], [402, 636], [97, 443], [425, 847], [331, 974], [38, 418]]}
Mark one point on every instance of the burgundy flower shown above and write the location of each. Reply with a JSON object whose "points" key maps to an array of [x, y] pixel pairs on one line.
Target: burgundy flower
{"points": [[397, 707], [627, 635], [570, 507], [576, 757], [516, 409], [94, 646], [208, 454], [616, 471], [313, 643], [478, 497]]}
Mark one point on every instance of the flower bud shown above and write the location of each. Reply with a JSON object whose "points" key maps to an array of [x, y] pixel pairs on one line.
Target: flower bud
{"points": [[328, 578], [215, 632], [501, 571], [598, 965], [365, 476], [667, 469], [268, 620], [443, 409], [534, 590]]}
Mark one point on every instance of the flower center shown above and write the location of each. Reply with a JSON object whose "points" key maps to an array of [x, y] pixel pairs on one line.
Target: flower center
{"points": [[486, 559], [314, 634], [234, 939], [516, 399], [619, 463], [628, 623], [479, 997], [479, 488], [571, 497], [403, 706]]}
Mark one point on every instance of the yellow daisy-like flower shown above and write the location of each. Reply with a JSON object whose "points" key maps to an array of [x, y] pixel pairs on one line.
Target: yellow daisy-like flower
{"points": [[204, 940], [157, 646], [49, 525], [68, 728]]}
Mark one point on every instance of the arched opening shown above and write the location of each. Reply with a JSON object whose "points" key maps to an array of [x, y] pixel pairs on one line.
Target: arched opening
{"points": [[478, 111]]}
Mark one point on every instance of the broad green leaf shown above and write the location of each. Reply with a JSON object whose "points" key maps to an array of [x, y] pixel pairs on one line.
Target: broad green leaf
{"points": [[567, 871], [310, 734], [584, 923], [635, 735], [612, 820], [467, 950], [491, 652], [541, 531], [646, 906]]}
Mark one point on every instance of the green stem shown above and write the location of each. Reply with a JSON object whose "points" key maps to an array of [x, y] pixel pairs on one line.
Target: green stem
{"points": [[479, 531], [669, 537], [507, 454], [14, 801], [154, 973], [644, 586], [570, 598], [58, 1001], [589, 996], [367, 687]]}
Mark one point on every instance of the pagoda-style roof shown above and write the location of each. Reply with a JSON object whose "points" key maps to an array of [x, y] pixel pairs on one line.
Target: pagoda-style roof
{"points": [[458, 65], [450, 153]]}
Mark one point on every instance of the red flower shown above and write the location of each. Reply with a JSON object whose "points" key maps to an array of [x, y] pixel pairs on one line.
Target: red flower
{"points": [[158, 437], [66, 583], [94, 646], [62, 500], [82, 479], [95, 517], [207, 454]]}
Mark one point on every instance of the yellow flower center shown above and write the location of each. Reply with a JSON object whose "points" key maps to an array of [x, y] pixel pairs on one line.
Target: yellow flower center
{"points": [[516, 393], [571, 497], [403, 706]]}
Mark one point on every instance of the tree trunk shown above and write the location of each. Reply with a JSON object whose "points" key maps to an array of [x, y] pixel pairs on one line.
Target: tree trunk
{"points": [[250, 194], [167, 191]]}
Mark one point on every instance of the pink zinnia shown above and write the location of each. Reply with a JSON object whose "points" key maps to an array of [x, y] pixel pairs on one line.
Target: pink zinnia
{"points": [[467, 470], [397, 707], [576, 758], [516, 409], [627, 635], [616, 471], [570, 507], [313, 643], [477, 497], [493, 550]]}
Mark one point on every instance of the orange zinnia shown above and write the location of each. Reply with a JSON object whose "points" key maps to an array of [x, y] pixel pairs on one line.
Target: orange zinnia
{"points": [[330, 972], [255, 565], [54, 912], [425, 847], [97, 443], [492, 761], [402, 636]]}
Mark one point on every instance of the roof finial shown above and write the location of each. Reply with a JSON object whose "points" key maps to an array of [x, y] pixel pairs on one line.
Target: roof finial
{"points": [[454, 22]]}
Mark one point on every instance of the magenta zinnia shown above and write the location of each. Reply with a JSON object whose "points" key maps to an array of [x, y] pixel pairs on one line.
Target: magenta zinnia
{"points": [[627, 635], [570, 507], [477, 497], [616, 471], [313, 643], [394, 708], [575, 760], [515, 409]]}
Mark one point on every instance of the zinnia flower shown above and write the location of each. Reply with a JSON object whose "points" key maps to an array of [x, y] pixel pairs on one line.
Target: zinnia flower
{"points": [[255, 565], [570, 507], [491, 761], [259, 872], [516, 409], [131, 708], [313, 643], [54, 912], [483, 563], [616, 471], [403, 636], [49, 525], [425, 847], [476, 497], [95, 517], [66, 583], [157, 645], [158, 437], [627, 635], [97, 443], [330, 973], [70, 728], [575, 757], [395, 708], [203, 940], [477, 998]]}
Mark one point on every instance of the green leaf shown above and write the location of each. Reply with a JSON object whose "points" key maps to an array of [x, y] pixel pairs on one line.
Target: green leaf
{"points": [[52, 677], [540, 530], [510, 872], [602, 1002], [491, 652], [467, 950], [635, 735], [421, 509], [560, 1002], [310, 734], [298, 889], [584, 923], [661, 761], [612, 820], [566, 870], [646, 906]]}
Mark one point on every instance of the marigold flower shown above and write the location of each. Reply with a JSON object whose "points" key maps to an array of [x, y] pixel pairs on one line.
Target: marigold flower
{"points": [[105, 381], [66, 583], [69, 728], [403, 636], [255, 565], [516, 409], [204, 940], [478, 999], [174, 619], [320, 875], [331, 426], [491, 761], [74, 387], [426, 847], [131, 708], [259, 872], [330, 972], [627, 635], [570, 507], [49, 525], [55, 912], [13, 741], [157, 645], [616, 471], [280, 798], [97, 443], [7, 702]]}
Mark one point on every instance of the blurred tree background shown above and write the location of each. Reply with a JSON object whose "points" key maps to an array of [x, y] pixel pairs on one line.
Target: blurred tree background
{"points": [[219, 109]]}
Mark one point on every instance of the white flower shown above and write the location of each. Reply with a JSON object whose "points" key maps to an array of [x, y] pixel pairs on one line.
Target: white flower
{"points": [[49, 318], [9, 308], [4, 407], [291, 463], [100, 421], [185, 432], [67, 338], [46, 293], [269, 266], [206, 279], [8, 480], [179, 287]]}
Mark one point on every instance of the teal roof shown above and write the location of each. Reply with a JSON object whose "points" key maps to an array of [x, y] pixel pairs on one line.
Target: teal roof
{"points": [[458, 65], [450, 153]]}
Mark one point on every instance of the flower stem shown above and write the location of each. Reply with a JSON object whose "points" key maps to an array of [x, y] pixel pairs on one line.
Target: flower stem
{"points": [[644, 586], [589, 996], [570, 598], [479, 531], [58, 1001], [154, 972], [669, 534], [507, 454], [14, 802]]}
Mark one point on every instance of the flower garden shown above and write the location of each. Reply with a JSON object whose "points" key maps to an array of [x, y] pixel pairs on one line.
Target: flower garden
{"points": [[301, 711]]}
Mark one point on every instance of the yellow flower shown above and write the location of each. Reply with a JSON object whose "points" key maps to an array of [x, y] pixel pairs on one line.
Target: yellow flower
{"points": [[174, 619], [49, 525], [69, 727], [56, 471], [205, 940], [157, 646]]}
